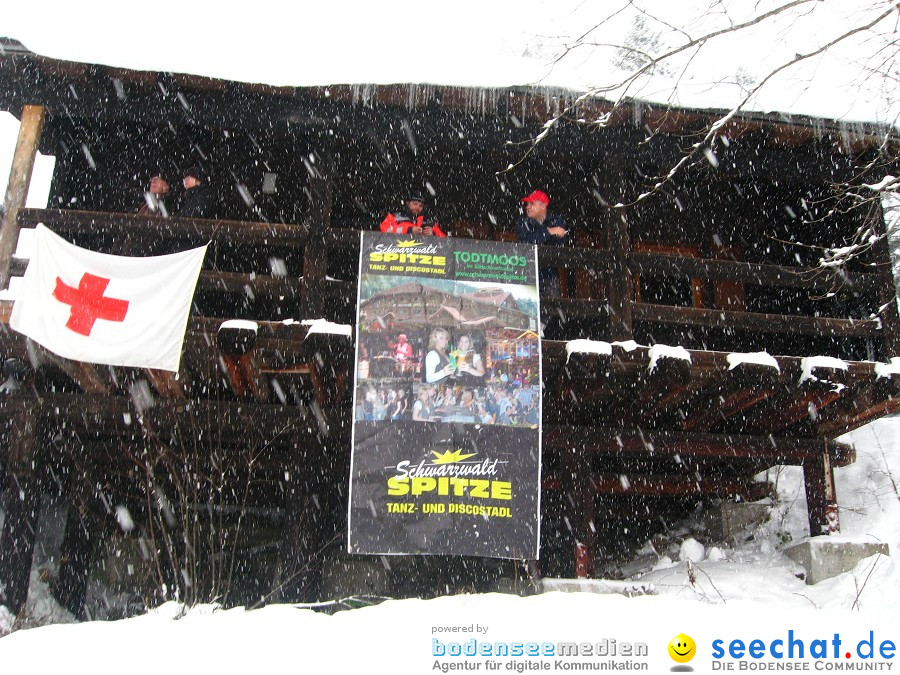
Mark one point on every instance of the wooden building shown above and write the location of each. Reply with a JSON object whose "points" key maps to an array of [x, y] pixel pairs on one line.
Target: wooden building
{"points": [[721, 261]]}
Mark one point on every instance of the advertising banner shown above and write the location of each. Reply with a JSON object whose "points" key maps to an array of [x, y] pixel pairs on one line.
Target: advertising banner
{"points": [[447, 403]]}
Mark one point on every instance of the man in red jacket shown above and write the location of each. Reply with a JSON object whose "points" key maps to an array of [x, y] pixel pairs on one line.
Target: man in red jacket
{"points": [[411, 219]]}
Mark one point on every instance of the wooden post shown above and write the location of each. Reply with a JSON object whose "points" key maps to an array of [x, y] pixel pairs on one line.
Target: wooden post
{"points": [[314, 520], [620, 285], [887, 300], [580, 495], [76, 550], [315, 255], [19, 180], [821, 500], [22, 506]]}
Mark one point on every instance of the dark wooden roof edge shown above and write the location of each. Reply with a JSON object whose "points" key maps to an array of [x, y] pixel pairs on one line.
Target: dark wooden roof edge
{"points": [[420, 95], [782, 450]]}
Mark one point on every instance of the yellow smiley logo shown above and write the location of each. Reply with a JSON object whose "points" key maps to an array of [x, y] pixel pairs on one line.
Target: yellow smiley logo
{"points": [[682, 648]]}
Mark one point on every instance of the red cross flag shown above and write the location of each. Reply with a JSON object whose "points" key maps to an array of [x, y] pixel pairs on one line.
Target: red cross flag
{"points": [[102, 308]]}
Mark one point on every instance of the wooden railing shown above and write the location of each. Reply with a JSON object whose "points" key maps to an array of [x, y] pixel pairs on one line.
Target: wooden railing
{"points": [[237, 265]]}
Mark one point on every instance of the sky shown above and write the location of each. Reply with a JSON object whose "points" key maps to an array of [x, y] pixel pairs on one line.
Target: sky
{"points": [[499, 43], [475, 43]]}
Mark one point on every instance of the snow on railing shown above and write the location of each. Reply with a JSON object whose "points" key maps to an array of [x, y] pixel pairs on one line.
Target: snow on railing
{"points": [[326, 327], [659, 351], [583, 346], [811, 363], [758, 358], [888, 369]]}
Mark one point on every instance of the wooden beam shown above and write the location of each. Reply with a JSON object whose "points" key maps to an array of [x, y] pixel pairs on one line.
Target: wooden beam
{"points": [[801, 402], [745, 386], [76, 549], [780, 276], [668, 486], [19, 181], [167, 384], [763, 323], [889, 314], [582, 380], [85, 375], [576, 485], [315, 521], [112, 416], [573, 308], [315, 255], [71, 224], [779, 450], [869, 401], [620, 286], [821, 499], [246, 378], [652, 392]]}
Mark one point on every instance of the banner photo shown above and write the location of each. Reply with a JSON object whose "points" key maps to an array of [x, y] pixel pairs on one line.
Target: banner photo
{"points": [[447, 404]]}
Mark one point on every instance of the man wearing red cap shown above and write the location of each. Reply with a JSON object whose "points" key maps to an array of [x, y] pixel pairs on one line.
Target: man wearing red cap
{"points": [[540, 226]]}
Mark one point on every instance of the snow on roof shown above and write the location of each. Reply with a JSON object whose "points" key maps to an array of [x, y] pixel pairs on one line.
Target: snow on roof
{"points": [[504, 47], [759, 358]]}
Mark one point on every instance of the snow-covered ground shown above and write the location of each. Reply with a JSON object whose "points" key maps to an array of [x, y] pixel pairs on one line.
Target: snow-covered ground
{"points": [[742, 590]]}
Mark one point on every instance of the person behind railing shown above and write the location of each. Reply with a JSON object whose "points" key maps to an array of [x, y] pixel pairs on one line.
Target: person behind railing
{"points": [[197, 201], [541, 226], [411, 219], [155, 198]]}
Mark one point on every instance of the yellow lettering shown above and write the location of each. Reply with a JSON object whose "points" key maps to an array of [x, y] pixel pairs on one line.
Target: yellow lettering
{"points": [[501, 490], [422, 484], [479, 488], [398, 486]]}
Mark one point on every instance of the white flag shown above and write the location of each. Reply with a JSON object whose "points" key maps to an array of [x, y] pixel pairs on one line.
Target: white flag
{"points": [[111, 309]]}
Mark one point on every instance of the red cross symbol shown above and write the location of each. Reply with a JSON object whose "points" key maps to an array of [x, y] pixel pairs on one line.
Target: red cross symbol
{"points": [[89, 303]]}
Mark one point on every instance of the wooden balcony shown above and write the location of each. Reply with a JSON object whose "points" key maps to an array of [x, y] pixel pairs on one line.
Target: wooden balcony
{"points": [[676, 428], [613, 393]]}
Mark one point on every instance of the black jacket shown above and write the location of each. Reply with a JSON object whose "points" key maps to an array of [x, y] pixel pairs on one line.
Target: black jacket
{"points": [[531, 231], [198, 202]]}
